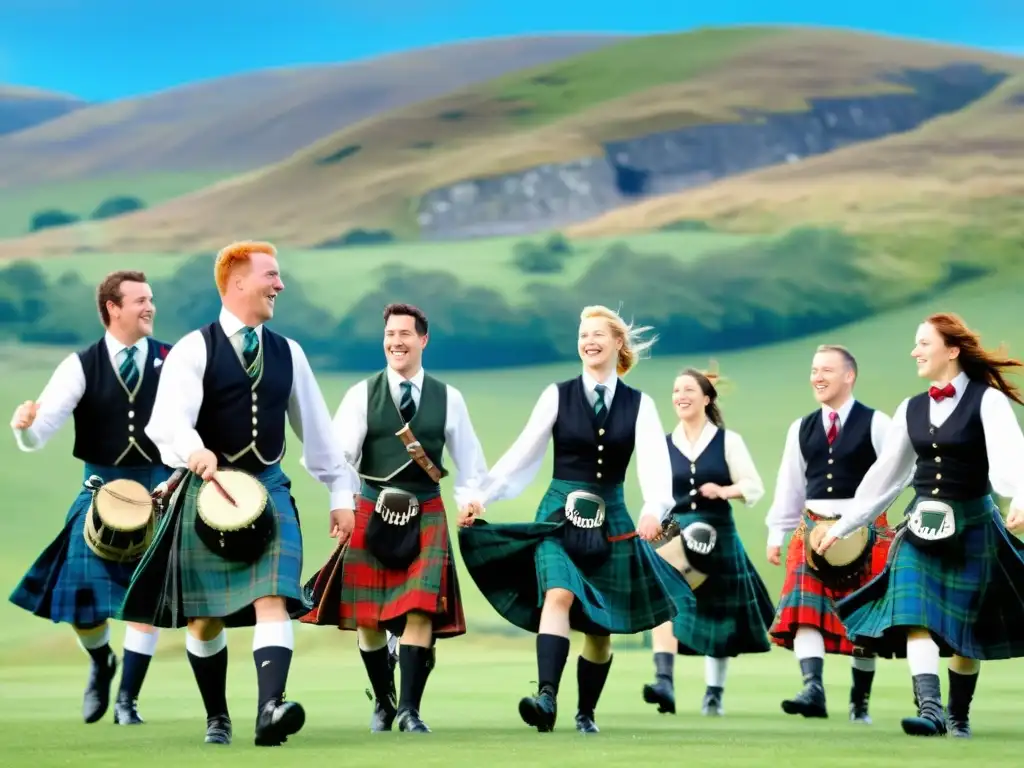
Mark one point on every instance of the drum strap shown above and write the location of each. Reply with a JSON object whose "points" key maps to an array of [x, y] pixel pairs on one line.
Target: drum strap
{"points": [[127, 500]]}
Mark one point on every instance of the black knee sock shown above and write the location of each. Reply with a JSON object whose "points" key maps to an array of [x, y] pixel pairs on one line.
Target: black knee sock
{"points": [[272, 663], [862, 680], [552, 653], [414, 663], [133, 672], [382, 677], [212, 678], [590, 677], [961, 693], [663, 666], [101, 656]]}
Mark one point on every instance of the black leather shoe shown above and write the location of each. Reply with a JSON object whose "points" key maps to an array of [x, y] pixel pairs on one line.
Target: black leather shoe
{"points": [[959, 728], [278, 719], [930, 720], [540, 711], [859, 710], [126, 710], [661, 692], [711, 706], [218, 730], [585, 723], [409, 722], [96, 700], [810, 702]]}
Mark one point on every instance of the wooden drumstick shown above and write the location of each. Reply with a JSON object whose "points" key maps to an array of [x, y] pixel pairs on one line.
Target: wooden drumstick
{"points": [[223, 491]]}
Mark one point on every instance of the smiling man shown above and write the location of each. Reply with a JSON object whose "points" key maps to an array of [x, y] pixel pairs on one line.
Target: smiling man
{"points": [[227, 392], [109, 389], [398, 572], [826, 455]]}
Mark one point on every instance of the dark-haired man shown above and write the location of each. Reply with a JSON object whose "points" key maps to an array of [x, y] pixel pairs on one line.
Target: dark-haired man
{"points": [[398, 573], [826, 455], [108, 389]]}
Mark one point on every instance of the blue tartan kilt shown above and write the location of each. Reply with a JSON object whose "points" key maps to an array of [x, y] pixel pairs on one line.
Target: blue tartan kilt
{"points": [[971, 601], [70, 584]]}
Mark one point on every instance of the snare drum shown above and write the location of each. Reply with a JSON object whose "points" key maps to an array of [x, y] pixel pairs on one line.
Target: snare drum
{"points": [[120, 523], [844, 560], [238, 533]]}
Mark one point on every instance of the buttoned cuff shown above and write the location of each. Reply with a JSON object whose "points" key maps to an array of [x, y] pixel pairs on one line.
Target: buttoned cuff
{"points": [[25, 439], [343, 499], [776, 536]]}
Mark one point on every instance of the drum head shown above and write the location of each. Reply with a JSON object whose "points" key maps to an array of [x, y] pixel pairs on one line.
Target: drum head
{"points": [[221, 514], [843, 551], [123, 505]]}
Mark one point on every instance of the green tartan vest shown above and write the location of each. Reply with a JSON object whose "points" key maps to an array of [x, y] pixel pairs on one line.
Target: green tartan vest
{"points": [[384, 458]]}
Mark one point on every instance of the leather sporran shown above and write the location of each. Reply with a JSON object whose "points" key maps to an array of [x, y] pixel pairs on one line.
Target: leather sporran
{"points": [[585, 533], [393, 530]]}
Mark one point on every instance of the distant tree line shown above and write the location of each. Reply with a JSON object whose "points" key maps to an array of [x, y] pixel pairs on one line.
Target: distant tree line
{"points": [[108, 209], [807, 281]]}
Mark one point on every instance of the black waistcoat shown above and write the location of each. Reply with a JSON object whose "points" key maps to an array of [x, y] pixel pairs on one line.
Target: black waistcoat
{"points": [[834, 471], [109, 422], [952, 460], [688, 476], [237, 415], [588, 448]]}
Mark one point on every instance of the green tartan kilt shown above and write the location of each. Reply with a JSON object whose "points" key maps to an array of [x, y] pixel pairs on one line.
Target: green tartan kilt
{"points": [[180, 578], [971, 600], [515, 564], [734, 608]]}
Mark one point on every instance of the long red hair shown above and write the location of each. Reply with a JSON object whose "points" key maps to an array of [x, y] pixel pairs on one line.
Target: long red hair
{"points": [[978, 363]]}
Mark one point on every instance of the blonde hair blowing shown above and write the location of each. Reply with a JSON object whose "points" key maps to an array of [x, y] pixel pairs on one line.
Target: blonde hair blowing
{"points": [[633, 343]]}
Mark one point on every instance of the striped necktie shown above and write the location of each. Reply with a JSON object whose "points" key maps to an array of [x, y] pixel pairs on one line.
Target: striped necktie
{"points": [[129, 369], [250, 351], [407, 406], [599, 406]]}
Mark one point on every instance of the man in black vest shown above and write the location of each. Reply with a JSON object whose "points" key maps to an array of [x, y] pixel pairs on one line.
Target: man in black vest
{"points": [[228, 391], [826, 456], [108, 389], [400, 576]]}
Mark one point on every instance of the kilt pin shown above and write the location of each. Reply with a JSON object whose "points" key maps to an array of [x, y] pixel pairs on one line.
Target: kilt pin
{"points": [[954, 580], [582, 542]]}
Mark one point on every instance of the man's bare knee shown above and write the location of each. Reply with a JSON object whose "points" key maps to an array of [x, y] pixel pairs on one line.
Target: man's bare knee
{"points": [[371, 639], [558, 598], [271, 608], [205, 629]]}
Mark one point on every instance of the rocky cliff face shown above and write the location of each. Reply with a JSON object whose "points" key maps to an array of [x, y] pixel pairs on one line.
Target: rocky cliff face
{"points": [[555, 195]]}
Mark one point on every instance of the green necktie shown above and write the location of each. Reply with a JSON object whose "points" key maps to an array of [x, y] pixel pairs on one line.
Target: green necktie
{"points": [[407, 406], [129, 370], [250, 351], [599, 391]]}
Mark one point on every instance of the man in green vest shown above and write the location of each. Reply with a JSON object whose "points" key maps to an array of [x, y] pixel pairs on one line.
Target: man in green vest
{"points": [[397, 573]]}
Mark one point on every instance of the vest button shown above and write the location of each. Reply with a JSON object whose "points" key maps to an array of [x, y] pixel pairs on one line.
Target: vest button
{"points": [[254, 409], [254, 433], [693, 491], [255, 420], [935, 491], [693, 467], [600, 447], [599, 461], [600, 431], [598, 474], [254, 397], [131, 439], [831, 461], [938, 476], [131, 427], [938, 459], [934, 445], [693, 505], [131, 414], [692, 481], [829, 476], [829, 489]]}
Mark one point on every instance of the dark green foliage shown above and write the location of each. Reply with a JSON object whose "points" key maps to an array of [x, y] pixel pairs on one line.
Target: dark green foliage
{"points": [[51, 217], [117, 206]]}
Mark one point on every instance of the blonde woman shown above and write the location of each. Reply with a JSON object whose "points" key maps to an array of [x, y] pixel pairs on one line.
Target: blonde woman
{"points": [[581, 565], [711, 466]]}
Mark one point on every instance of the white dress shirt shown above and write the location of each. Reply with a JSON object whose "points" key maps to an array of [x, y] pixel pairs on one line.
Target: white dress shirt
{"points": [[65, 389], [741, 464], [891, 473], [517, 468], [791, 485], [459, 436], [180, 395]]}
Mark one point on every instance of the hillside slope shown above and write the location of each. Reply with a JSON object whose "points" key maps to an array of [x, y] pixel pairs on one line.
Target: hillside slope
{"points": [[23, 108], [553, 121], [948, 170], [245, 121]]}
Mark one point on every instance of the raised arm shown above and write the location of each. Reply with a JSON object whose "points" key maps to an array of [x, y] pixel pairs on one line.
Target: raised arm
{"points": [[790, 490], [1004, 443], [311, 421], [886, 479], [745, 478], [179, 396], [653, 464], [57, 402], [465, 449], [520, 464]]}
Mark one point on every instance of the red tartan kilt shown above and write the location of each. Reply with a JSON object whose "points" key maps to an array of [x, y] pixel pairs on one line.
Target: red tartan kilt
{"points": [[806, 601], [360, 592]]}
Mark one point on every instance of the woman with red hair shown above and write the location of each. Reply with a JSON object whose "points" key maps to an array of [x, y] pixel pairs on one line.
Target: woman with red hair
{"points": [[955, 576]]}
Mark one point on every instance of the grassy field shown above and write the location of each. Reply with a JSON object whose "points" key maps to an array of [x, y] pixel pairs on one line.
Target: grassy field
{"points": [[372, 173], [486, 263], [471, 699]]}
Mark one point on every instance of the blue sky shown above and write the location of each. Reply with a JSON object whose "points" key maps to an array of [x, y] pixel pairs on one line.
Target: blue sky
{"points": [[108, 49]]}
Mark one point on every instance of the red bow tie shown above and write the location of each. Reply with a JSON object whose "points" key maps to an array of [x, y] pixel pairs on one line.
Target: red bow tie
{"points": [[938, 395]]}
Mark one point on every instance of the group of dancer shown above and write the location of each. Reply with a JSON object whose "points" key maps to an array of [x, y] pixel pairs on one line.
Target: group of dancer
{"points": [[201, 426]]}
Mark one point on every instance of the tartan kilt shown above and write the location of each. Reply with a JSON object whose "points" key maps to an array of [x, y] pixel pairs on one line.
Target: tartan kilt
{"points": [[515, 564], [68, 582], [734, 608], [972, 602], [353, 589], [180, 578], [807, 601]]}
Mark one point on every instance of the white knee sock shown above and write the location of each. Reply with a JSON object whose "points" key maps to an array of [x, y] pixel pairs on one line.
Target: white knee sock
{"points": [[273, 633], [714, 672], [98, 640], [204, 649], [864, 665], [808, 644], [923, 656], [142, 643]]}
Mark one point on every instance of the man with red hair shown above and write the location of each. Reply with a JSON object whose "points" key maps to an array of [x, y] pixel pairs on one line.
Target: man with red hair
{"points": [[227, 391]]}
